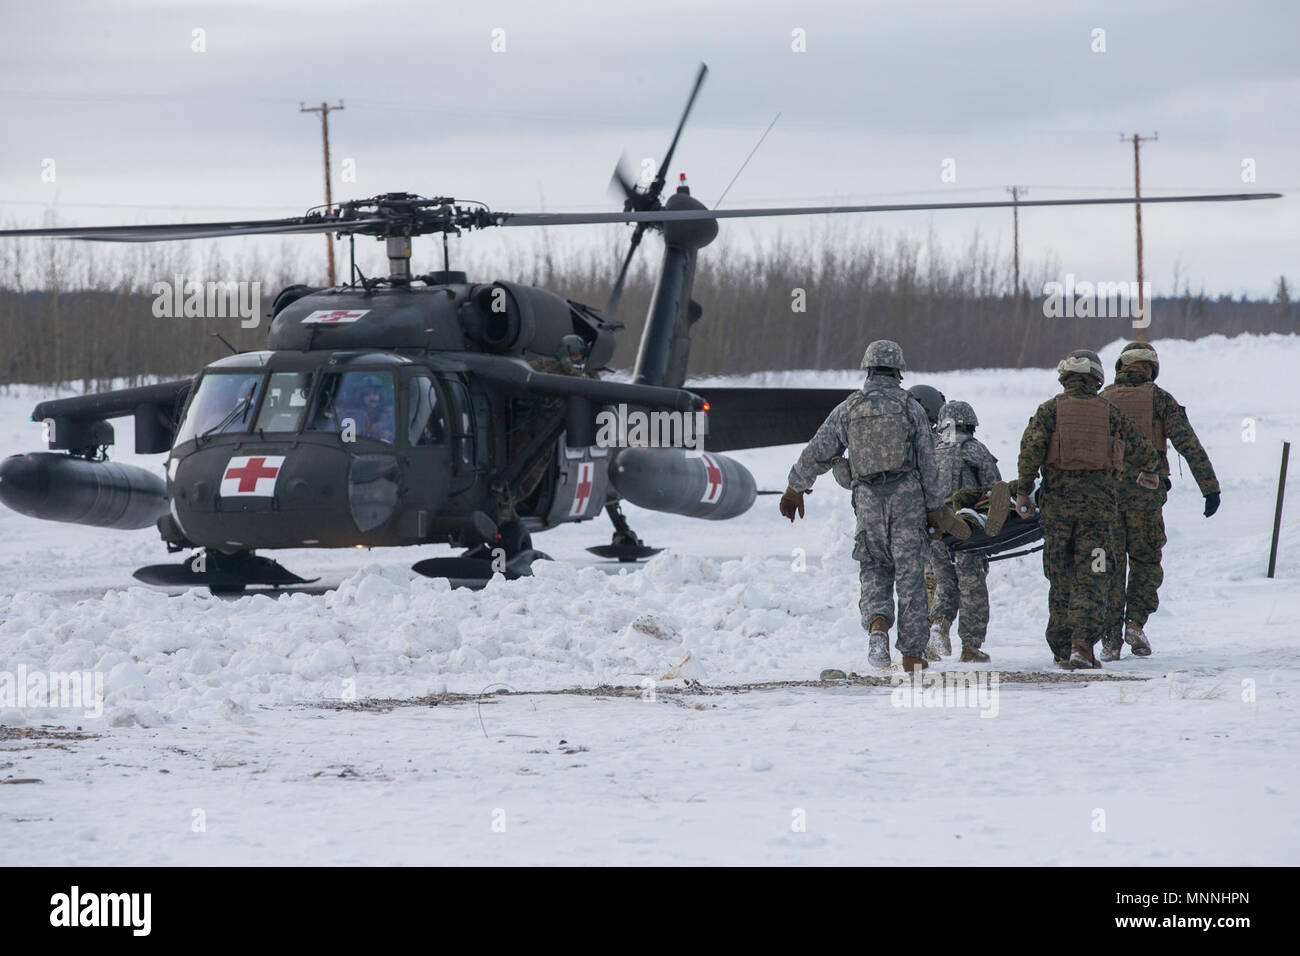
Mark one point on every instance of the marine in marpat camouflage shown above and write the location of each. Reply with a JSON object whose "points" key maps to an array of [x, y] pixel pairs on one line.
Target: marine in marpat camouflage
{"points": [[884, 434], [1140, 526], [1082, 445], [961, 589]]}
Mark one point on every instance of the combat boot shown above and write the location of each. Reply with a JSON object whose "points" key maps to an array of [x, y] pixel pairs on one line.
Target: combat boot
{"points": [[1110, 649], [1082, 657], [911, 663], [878, 645], [973, 655], [999, 508], [1136, 638], [940, 639]]}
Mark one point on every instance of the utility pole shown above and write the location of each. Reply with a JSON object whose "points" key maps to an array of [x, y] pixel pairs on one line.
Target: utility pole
{"points": [[1016, 193], [1137, 142], [324, 111]]}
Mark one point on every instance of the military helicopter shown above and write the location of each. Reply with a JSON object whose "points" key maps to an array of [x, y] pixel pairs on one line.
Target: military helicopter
{"points": [[403, 410]]}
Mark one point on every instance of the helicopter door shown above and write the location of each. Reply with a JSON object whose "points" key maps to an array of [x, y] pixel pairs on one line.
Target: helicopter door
{"points": [[425, 434], [460, 415]]}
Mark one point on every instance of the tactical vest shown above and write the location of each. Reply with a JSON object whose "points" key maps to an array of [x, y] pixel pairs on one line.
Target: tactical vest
{"points": [[1138, 402], [1082, 440], [881, 434]]}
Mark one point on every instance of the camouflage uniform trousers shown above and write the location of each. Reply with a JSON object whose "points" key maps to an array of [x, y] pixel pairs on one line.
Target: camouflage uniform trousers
{"points": [[1077, 517], [891, 549], [961, 585], [1136, 572]]}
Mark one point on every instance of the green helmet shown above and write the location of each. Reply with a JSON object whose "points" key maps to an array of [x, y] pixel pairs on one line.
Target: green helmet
{"points": [[1082, 362], [1136, 352], [571, 346], [883, 353], [931, 400], [959, 413]]}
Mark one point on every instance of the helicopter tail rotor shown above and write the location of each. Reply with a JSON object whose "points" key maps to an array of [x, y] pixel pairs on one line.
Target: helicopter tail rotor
{"points": [[636, 199]]}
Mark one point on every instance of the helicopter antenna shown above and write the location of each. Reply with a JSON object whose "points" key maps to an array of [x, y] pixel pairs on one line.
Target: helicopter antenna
{"points": [[352, 258], [747, 159], [357, 273], [446, 256], [218, 335]]}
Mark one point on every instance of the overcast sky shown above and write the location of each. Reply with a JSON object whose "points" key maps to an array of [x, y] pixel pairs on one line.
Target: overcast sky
{"points": [[144, 129]]}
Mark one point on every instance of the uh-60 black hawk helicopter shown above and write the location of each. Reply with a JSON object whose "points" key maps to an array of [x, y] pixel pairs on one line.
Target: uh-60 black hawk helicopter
{"points": [[404, 410]]}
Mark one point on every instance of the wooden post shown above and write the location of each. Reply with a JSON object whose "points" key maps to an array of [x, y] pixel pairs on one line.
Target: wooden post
{"points": [[324, 111], [1277, 512]]}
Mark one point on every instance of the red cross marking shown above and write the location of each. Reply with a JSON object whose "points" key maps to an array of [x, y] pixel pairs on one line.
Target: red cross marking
{"points": [[582, 490], [250, 473], [333, 316], [713, 481]]}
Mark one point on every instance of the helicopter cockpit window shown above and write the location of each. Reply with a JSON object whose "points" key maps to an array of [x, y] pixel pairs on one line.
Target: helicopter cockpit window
{"points": [[425, 426], [224, 402], [285, 402], [356, 403]]}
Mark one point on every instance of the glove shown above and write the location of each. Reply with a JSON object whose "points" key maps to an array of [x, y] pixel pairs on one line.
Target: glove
{"points": [[1148, 481], [1211, 503], [1024, 507], [792, 501], [944, 519]]}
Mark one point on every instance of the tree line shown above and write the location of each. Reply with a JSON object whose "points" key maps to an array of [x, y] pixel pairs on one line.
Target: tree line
{"points": [[85, 315]]}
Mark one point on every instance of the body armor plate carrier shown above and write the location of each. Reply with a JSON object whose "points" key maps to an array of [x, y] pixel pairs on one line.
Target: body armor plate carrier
{"points": [[1082, 440]]}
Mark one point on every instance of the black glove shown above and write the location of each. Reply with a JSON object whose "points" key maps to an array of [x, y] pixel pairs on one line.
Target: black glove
{"points": [[1211, 503], [792, 501]]}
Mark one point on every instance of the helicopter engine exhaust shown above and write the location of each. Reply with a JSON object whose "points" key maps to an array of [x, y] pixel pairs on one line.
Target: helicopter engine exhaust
{"points": [[697, 485], [103, 494]]}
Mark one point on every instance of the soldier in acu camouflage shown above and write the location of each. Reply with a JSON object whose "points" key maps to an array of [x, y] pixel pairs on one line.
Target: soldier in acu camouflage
{"points": [[961, 590], [1081, 443], [931, 400], [1140, 525], [885, 437]]}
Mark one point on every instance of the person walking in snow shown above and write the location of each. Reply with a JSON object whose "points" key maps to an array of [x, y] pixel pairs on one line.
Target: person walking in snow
{"points": [[1140, 528], [885, 436]]}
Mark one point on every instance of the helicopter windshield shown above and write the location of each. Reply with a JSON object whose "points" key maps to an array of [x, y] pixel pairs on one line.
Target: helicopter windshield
{"points": [[359, 403], [224, 402], [285, 402]]}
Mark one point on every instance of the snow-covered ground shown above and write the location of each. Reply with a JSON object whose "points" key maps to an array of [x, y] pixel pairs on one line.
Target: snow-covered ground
{"points": [[216, 711]]}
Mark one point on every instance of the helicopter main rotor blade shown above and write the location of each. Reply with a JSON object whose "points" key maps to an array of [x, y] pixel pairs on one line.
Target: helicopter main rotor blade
{"points": [[196, 230], [693, 215]]}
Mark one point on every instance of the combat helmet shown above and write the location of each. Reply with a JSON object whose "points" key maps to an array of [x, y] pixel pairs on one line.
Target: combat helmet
{"points": [[571, 347], [1082, 362], [931, 400], [960, 414], [1136, 352], [883, 353]]}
